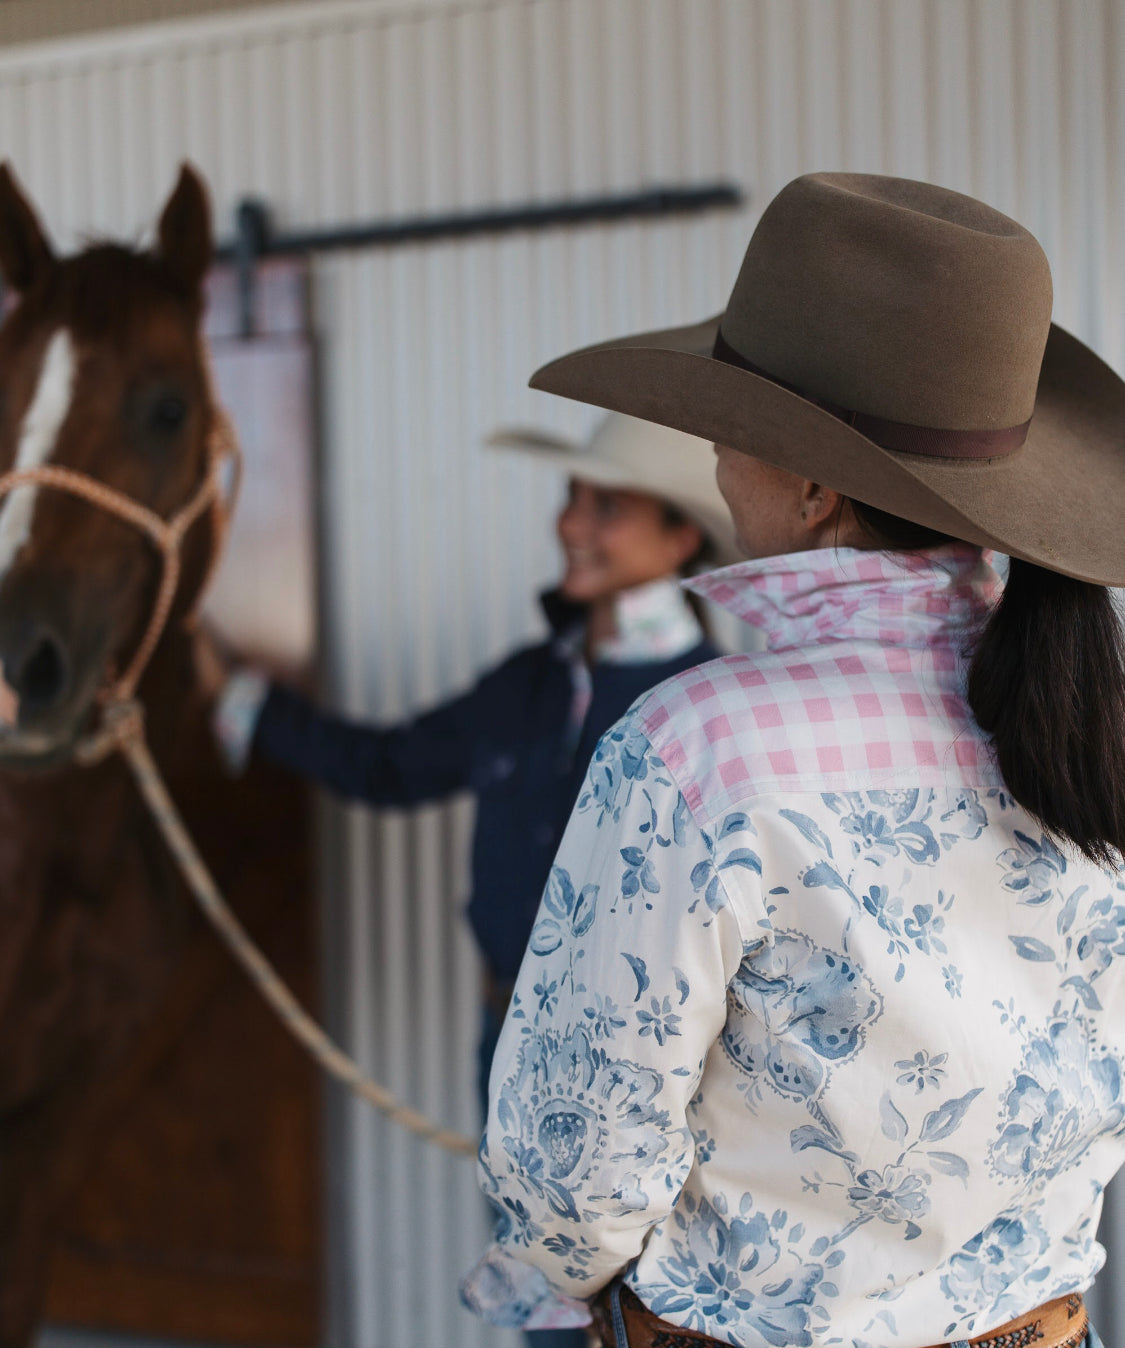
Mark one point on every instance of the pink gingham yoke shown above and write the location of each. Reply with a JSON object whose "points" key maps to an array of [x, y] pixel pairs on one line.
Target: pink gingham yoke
{"points": [[861, 688], [858, 718]]}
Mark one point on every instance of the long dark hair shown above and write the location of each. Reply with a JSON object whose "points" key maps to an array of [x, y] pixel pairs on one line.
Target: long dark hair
{"points": [[1047, 685]]}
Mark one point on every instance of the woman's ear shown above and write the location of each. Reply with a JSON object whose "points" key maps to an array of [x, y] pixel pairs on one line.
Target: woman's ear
{"points": [[819, 505], [828, 519]]}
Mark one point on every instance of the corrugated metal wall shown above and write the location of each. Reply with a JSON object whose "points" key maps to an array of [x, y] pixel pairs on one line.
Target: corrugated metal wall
{"points": [[340, 112]]}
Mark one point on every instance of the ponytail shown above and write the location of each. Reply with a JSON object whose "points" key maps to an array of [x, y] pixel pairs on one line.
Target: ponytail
{"points": [[1047, 685]]}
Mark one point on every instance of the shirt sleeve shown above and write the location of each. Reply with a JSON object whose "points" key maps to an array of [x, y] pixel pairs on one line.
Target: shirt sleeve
{"points": [[236, 714], [620, 996], [406, 764]]}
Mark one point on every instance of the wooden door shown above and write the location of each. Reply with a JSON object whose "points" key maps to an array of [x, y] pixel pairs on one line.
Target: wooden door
{"points": [[201, 1218]]}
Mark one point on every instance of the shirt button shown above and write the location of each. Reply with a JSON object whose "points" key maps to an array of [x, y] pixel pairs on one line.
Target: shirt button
{"points": [[544, 834]]}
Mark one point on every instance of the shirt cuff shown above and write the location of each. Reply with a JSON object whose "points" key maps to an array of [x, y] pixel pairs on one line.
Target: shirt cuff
{"points": [[236, 714], [511, 1294]]}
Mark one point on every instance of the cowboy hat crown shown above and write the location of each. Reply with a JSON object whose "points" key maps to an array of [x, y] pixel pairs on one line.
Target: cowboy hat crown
{"points": [[896, 299]]}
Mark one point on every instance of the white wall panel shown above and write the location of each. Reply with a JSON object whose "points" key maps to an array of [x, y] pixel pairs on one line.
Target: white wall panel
{"points": [[344, 110]]}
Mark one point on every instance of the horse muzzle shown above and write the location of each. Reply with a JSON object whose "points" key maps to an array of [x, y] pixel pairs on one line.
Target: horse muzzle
{"points": [[45, 702], [38, 682]]}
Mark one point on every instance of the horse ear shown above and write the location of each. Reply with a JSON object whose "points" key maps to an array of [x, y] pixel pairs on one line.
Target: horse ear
{"points": [[25, 253], [184, 233]]}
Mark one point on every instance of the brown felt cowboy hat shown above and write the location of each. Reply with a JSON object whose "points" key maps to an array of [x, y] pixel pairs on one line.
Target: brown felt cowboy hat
{"points": [[893, 341], [639, 456]]}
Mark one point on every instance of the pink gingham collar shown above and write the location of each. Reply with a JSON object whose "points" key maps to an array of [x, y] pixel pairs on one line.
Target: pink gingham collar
{"points": [[936, 596]]}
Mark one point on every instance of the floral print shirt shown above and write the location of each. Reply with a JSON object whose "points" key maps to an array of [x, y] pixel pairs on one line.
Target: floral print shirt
{"points": [[818, 1039]]}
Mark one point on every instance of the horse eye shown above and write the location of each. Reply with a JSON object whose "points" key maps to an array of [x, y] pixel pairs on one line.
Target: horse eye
{"points": [[169, 412]]}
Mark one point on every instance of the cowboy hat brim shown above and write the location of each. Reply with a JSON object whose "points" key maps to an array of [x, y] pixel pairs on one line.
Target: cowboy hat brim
{"points": [[578, 461], [1055, 501]]}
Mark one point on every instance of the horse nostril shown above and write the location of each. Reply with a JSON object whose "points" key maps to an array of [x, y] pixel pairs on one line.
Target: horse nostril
{"points": [[42, 680]]}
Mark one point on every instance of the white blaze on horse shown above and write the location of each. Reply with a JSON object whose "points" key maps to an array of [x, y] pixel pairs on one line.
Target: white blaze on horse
{"points": [[34, 445], [104, 384]]}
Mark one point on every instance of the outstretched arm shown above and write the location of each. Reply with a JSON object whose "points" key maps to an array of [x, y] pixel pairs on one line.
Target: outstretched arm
{"points": [[405, 764]]}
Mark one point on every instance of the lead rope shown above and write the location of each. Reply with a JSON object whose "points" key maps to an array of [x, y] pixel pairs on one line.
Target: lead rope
{"points": [[122, 730]]}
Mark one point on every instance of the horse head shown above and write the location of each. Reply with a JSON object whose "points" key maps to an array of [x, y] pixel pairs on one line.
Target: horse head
{"points": [[103, 374]]}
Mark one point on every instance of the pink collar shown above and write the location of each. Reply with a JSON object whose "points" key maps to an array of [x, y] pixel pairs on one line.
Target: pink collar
{"points": [[934, 597]]}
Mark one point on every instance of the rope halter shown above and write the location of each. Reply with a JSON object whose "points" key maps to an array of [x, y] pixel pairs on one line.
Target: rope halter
{"points": [[166, 535]]}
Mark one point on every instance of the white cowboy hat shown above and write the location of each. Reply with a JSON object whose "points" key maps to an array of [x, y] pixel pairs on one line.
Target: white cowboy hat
{"points": [[640, 456]]}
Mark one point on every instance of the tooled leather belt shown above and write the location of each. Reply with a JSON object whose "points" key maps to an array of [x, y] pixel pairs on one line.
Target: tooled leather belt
{"points": [[624, 1321]]}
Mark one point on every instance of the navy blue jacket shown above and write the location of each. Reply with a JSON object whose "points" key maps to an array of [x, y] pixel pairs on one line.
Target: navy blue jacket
{"points": [[506, 740]]}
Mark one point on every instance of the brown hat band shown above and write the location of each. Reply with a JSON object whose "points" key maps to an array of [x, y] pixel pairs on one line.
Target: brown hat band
{"points": [[899, 436]]}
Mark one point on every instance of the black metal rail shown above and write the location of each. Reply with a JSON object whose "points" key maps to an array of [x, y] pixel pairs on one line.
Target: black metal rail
{"points": [[254, 233], [255, 239]]}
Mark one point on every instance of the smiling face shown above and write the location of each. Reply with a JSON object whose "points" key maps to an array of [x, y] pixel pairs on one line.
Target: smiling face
{"points": [[614, 539]]}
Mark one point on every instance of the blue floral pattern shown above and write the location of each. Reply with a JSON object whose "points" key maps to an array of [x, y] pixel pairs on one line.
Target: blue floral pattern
{"points": [[811, 1067], [1008, 1251], [1064, 1095], [794, 1012], [600, 1126], [715, 1256]]}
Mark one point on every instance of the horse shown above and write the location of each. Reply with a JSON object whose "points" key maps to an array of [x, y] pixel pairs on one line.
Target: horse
{"points": [[103, 373]]}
